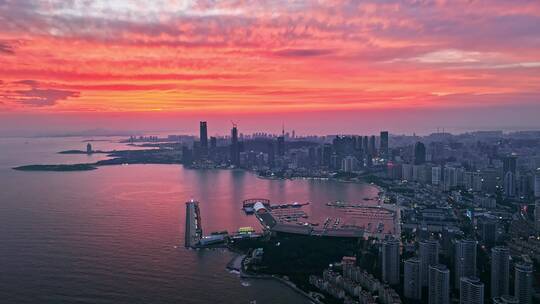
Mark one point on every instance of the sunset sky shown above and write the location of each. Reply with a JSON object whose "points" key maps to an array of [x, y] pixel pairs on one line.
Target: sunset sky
{"points": [[318, 66]]}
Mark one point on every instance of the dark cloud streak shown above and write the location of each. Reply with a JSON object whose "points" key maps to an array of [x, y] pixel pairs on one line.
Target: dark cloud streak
{"points": [[303, 52], [6, 48], [43, 97], [34, 95]]}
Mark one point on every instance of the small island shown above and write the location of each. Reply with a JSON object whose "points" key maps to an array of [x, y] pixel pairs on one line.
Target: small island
{"points": [[88, 151], [117, 157], [84, 152], [62, 168]]}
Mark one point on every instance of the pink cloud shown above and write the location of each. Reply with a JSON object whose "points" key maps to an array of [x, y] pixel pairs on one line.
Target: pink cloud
{"points": [[278, 55]]}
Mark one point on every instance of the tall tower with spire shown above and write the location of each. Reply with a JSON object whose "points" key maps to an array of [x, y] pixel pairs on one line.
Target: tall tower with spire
{"points": [[281, 142]]}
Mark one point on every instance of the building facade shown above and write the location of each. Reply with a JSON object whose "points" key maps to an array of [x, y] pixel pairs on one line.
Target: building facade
{"points": [[471, 291], [412, 285], [439, 284], [500, 271], [429, 255], [465, 260], [523, 283], [390, 261]]}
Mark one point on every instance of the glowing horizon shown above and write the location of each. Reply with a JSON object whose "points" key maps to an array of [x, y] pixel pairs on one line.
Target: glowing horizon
{"points": [[193, 57]]}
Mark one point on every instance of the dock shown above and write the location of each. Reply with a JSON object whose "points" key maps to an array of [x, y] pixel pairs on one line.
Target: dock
{"points": [[193, 232]]}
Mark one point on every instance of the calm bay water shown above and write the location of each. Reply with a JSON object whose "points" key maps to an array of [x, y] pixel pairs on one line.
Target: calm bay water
{"points": [[115, 235]]}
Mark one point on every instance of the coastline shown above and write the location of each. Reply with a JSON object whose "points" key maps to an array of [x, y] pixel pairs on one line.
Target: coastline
{"points": [[123, 160], [57, 168], [164, 157], [236, 265], [242, 273]]}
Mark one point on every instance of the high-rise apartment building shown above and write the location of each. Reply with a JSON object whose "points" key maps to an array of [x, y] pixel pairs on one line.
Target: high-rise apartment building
{"points": [[464, 260], [439, 284], [384, 145], [419, 153], [471, 291], [429, 255], [235, 147], [390, 261], [372, 146], [500, 271], [412, 285], [203, 135], [436, 174], [537, 199], [523, 278]]}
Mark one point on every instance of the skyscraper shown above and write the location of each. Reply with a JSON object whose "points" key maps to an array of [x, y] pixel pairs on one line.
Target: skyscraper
{"points": [[471, 291], [372, 147], [449, 178], [500, 271], [537, 184], [509, 173], [465, 260], [312, 156], [390, 261], [281, 146], [412, 285], [537, 199], [365, 145], [213, 143], [349, 164], [187, 155], [384, 144], [436, 175], [439, 284], [509, 184], [419, 153], [235, 148], [429, 255], [489, 180], [510, 164], [327, 155], [523, 282], [407, 172], [488, 230], [203, 135], [271, 154]]}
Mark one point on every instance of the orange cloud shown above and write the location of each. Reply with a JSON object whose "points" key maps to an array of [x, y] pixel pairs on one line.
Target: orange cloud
{"points": [[117, 56]]}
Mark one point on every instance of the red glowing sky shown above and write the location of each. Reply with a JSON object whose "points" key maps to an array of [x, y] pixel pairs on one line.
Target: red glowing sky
{"points": [[463, 62]]}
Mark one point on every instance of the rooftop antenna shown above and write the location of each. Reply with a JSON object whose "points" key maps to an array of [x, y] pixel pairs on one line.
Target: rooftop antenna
{"points": [[233, 124], [283, 129]]}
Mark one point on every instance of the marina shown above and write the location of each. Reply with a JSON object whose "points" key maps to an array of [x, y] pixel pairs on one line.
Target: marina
{"points": [[366, 219], [342, 220], [248, 205], [194, 237]]}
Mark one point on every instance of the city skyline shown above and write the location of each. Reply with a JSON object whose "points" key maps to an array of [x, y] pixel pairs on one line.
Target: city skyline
{"points": [[460, 213], [67, 125], [406, 66]]}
